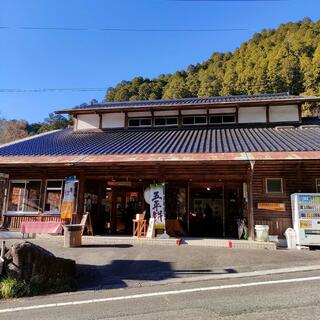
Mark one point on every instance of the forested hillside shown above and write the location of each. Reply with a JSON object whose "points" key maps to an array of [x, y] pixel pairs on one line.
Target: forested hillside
{"points": [[283, 60]]}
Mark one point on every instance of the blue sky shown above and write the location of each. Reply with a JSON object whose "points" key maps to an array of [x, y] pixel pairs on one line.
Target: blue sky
{"points": [[36, 59]]}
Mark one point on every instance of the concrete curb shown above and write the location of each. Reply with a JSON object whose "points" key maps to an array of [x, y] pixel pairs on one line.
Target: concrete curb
{"points": [[232, 275]]}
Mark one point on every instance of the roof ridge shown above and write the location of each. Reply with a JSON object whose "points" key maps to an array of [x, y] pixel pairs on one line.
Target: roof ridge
{"points": [[193, 98]]}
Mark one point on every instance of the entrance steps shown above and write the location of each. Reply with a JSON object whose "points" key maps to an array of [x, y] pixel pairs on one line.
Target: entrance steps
{"points": [[202, 242]]}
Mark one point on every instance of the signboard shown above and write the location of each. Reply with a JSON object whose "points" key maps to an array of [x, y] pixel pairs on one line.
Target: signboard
{"points": [[120, 183], [157, 205], [67, 206], [272, 206], [150, 231]]}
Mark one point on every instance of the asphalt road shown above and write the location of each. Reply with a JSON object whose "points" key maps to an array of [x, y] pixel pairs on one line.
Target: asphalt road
{"points": [[287, 296]]}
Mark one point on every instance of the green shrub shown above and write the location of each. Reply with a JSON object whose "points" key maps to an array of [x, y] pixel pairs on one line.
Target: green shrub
{"points": [[12, 288]]}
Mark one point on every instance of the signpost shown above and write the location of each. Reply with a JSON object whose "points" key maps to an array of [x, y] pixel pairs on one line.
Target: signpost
{"points": [[67, 207]]}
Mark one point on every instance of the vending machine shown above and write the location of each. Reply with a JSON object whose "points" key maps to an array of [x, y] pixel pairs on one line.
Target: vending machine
{"points": [[306, 218]]}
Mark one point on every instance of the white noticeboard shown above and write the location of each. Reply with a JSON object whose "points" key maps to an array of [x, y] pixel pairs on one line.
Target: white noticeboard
{"points": [[157, 205], [150, 231], [306, 217]]}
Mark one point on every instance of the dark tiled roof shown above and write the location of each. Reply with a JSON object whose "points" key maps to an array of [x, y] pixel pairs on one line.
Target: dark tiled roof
{"points": [[258, 98], [175, 140]]}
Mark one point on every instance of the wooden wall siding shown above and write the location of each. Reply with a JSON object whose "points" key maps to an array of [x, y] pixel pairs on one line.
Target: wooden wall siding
{"points": [[198, 172], [277, 225], [297, 177]]}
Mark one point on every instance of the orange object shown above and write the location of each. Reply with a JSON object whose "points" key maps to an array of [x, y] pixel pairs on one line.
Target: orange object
{"points": [[139, 228]]}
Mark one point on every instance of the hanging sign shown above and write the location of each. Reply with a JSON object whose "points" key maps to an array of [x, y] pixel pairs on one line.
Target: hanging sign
{"points": [[120, 183], [67, 206], [157, 207]]}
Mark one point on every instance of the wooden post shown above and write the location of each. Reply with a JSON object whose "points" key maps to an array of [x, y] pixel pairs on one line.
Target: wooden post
{"points": [[43, 192], [237, 113], [299, 176], [188, 206], [300, 112], [100, 121], [250, 201], [268, 114], [126, 120], [80, 208], [179, 119]]}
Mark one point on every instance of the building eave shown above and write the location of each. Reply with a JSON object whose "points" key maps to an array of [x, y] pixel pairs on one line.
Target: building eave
{"points": [[128, 159]]}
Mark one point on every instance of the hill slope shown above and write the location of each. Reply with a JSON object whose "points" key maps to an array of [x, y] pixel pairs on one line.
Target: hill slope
{"points": [[283, 60]]}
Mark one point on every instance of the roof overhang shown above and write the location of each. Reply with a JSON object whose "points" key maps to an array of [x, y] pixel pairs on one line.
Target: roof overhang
{"points": [[161, 107], [186, 158]]}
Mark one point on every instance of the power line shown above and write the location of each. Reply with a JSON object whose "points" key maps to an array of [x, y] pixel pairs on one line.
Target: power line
{"points": [[51, 90], [104, 89], [31, 28], [227, 0]]}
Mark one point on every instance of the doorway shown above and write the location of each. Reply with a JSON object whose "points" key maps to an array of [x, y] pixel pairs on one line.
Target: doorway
{"points": [[127, 203], [215, 209]]}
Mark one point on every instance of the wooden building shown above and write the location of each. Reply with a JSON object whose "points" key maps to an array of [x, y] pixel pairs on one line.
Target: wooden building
{"points": [[221, 159]]}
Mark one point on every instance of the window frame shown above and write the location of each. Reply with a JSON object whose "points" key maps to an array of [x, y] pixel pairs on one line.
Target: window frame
{"points": [[274, 192], [53, 189], [318, 185], [194, 122], [166, 122], [22, 212], [222, 115], [140, 119]]}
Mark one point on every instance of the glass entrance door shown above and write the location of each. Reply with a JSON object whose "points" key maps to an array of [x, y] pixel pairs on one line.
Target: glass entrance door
{"points": [[206, 212], [215, 209], [127, 204]]}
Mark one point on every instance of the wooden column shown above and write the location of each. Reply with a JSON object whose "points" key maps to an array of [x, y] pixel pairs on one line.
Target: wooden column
{"points": [[126, 121], [179, 119], [237, 113], [250, 201], [80, 206], [75, 122], [299, 176], [300, 113], [188, 206], [100, 121], [268, 114], [43, 191]]}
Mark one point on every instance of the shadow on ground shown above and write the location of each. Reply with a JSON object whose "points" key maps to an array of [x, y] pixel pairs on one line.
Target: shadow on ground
{"points": [[119, 272]]}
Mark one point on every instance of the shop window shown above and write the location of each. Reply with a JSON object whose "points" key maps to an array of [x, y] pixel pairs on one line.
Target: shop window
{"points": [[222, 118], [24, 196], [140, 122], [318, 185], [53, 196], [274, 185], [166, 121], [194, 120]]}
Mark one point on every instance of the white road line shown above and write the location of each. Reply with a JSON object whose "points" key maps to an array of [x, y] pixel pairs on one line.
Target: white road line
{"points": [[156, 294]]}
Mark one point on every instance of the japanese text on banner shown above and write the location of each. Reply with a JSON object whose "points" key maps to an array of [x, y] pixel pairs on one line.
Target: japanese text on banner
{"points": [[157, 205]]}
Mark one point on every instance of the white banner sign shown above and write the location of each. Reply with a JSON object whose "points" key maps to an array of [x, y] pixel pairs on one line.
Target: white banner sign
{"points": [[157, 208]]}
